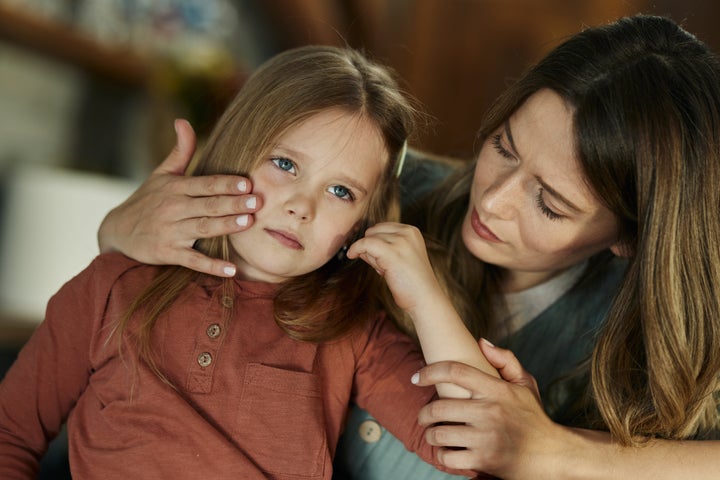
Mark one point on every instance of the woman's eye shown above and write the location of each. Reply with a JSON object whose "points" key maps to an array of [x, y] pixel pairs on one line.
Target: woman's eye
{"points": [[284, 164], [341, 192], [544, 208], [497, 144]]}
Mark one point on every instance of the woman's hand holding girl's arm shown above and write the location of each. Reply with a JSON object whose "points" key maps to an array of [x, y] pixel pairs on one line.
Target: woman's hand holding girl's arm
{"points": [[397, 252], [162, 219], [504, 431]]}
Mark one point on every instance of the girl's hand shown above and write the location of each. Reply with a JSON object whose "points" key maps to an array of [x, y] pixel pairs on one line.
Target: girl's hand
{"points": [[162, 219], [502, 429], [397, 252]]}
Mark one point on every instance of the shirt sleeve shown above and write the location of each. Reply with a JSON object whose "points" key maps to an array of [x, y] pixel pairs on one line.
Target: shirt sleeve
{"points": [[361, 456], [51, 371], [382, 387]]}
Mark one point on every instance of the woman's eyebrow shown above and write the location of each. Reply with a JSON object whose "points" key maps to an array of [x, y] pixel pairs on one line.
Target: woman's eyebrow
{"points": [[508, 132], [559, 196], [546, 187]]}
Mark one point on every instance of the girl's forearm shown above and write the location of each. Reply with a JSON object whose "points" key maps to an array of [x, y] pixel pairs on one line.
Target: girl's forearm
{"points": [[444, 336]]}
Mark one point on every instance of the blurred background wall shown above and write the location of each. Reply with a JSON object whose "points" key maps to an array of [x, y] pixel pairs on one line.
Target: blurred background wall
{"points": [[89, 88]]}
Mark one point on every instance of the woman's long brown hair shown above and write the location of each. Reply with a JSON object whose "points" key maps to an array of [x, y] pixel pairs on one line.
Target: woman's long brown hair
{"points": [[646, 96]]}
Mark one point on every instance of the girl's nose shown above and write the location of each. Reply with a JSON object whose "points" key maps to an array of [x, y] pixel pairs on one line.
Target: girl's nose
{"points": [[300, 206]]}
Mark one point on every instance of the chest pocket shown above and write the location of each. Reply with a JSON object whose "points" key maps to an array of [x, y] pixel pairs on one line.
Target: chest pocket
{"points": [[281, 421]]}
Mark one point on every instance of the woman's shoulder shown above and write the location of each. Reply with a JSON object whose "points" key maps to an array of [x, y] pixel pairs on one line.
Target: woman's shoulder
{"points": [[602, 277], [422, 172]]}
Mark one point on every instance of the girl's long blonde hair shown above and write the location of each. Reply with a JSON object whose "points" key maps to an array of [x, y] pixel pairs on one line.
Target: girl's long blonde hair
{"points": [[646, 95], [284, 91]]}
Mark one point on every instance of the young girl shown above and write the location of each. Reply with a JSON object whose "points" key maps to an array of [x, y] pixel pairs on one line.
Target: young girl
{"points": [[161, 372]]}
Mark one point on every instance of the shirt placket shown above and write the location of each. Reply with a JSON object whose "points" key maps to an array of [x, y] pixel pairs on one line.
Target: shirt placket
{"points": [[207, 347]]}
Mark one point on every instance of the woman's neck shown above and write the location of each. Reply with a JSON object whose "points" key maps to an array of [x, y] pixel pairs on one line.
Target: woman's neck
{"points": [[517, 281]]}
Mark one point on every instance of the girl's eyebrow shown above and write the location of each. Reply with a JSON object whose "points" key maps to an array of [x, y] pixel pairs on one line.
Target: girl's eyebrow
{"points": [[354, 185], [546, 187]]}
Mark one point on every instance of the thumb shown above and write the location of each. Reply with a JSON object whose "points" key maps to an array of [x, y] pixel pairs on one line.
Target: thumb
{"points": [[507, 364], [177, 162]]}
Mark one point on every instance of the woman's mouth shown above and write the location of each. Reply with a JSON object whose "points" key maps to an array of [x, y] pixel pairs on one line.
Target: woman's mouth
{"points": [[481, 229], [285, 238]]}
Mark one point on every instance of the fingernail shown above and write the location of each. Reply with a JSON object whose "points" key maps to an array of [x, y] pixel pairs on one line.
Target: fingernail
{"points": [[242, 185], [242, 220], [229, 271], [487, 342], [415, 378], [251, 202]]}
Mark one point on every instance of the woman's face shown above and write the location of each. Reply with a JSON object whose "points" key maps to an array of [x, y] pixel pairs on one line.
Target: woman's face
{"points": [[531, 211]]}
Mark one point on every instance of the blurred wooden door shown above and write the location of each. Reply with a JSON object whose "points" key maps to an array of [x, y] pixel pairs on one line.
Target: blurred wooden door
{"points": [[456, 56]]}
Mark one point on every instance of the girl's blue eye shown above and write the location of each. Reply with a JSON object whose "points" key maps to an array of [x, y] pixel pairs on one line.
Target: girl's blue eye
{"points": [[341, 192], [284, 164]]}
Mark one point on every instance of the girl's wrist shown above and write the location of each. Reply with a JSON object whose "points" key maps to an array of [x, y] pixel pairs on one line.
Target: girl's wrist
{"points": [[429, 309], [428, 299]]}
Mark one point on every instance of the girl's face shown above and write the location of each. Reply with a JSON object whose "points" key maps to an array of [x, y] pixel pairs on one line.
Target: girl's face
{"points": [[531, 211], [316, 185]]}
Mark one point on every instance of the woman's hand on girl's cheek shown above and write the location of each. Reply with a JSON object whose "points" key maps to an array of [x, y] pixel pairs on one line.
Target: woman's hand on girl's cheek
{"points": [[502, 430], [160, 222], [397, 252]]}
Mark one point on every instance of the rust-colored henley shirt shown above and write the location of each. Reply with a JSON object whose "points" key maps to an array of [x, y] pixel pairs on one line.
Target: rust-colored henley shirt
{"points": [[249, 401]]}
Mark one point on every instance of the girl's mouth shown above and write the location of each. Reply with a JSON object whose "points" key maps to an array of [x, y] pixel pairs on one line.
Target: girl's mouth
{"points": [[285, 238]]}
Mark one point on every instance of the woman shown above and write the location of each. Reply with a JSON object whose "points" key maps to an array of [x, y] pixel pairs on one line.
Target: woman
{"points": [[609, 144]]}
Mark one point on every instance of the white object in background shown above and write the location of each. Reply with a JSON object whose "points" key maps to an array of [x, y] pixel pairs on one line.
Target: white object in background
{"points": [[49, 232]]}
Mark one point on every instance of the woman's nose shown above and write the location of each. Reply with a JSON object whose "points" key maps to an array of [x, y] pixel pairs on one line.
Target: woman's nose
{"points": [[501, 196]]}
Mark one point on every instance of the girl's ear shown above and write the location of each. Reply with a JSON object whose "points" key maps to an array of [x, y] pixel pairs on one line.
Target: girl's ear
{"points": [[357, 231], [622, 249]]}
